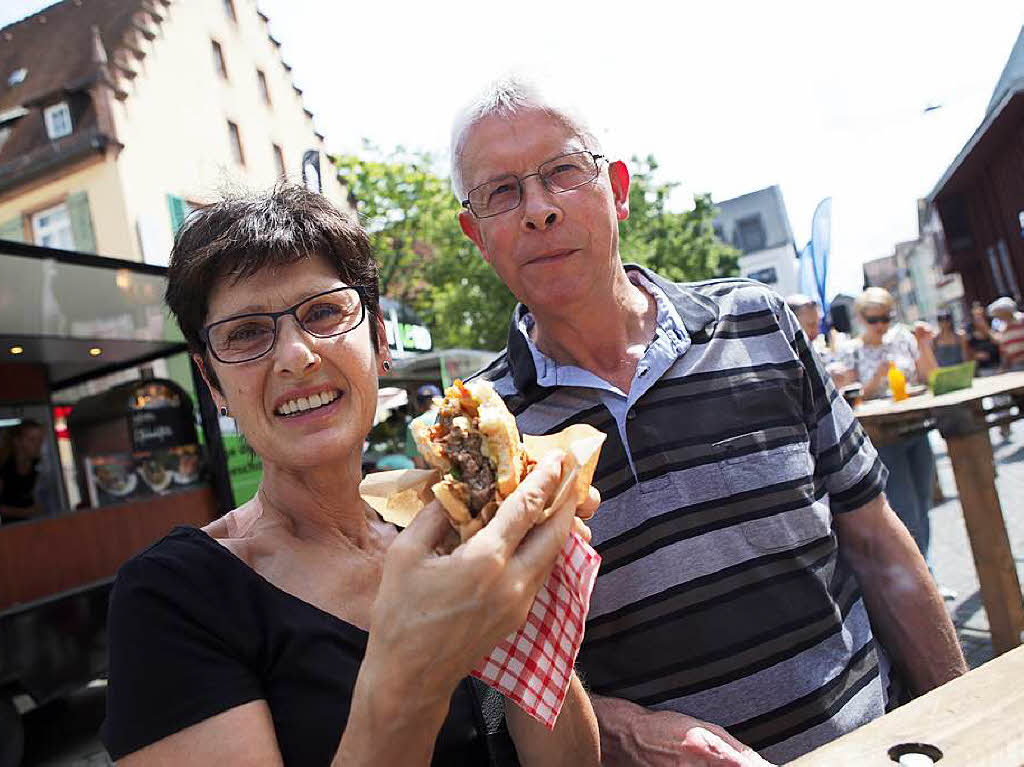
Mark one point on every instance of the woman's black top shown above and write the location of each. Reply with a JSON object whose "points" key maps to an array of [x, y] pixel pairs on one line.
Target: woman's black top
{"points": [[194, 631], [987, 347]]}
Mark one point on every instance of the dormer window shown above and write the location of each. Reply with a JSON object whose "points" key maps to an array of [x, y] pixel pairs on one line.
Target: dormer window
{"points": [[58, 120], [17, 77]]}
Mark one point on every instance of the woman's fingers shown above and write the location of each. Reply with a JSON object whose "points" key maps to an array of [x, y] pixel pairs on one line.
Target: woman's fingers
{"points": [[428, 530], [518, 513], [538, 551], [580, 528], [588, 507]]}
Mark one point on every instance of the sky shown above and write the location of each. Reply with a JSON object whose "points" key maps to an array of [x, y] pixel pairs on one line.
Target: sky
{"points": [[823, 99]]}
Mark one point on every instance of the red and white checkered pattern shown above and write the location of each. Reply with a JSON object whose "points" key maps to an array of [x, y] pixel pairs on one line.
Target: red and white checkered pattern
{"points": [[533, 665]]}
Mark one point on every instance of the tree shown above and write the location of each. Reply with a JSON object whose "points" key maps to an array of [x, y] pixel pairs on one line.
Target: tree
{"points": [[409, 210], [681, 247]]}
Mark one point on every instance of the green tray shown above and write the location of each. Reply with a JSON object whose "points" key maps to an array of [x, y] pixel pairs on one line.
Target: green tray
{"points": [[943, 380]]}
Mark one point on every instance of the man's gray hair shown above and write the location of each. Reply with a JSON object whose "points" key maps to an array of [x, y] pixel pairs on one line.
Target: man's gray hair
{"points": [[506, 97]]}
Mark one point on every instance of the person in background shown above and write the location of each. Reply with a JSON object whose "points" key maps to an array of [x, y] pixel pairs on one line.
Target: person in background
{"points": [[981, 342], [423, 404], [19, 471], [949, 345], [808, 314], [1011, 334], [910, 460]]}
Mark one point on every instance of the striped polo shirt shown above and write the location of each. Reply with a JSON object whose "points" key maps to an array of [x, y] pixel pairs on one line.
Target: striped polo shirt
{"points": [[721, 594]]}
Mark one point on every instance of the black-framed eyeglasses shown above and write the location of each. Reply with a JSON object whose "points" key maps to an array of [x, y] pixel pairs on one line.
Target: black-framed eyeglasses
{"points": [[246, 337], [559, 174], [878, 319]]}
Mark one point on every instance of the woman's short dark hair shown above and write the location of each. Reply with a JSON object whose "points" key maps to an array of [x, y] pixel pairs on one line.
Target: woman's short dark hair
{"points": [[243, 235]]}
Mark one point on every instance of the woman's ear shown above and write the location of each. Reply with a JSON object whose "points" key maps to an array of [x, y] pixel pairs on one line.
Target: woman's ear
{"points": [[382, 352], [215, 393]]}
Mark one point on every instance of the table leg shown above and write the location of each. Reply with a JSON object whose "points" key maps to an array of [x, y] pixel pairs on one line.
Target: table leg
{"points": [[973, 467]]}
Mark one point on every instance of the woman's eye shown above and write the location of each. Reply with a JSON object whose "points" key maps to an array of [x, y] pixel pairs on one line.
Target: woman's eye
{"points": [[247, 332]]}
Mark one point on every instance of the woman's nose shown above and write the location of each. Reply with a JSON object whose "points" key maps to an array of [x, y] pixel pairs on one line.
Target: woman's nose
{"points": [[294, 350]]}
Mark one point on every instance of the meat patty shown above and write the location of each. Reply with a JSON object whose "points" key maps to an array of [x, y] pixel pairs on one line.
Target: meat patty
{"points": [[465, 450]]}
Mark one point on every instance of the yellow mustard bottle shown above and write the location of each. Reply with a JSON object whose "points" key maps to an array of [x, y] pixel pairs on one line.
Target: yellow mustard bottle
{"points": [[897, 383]]}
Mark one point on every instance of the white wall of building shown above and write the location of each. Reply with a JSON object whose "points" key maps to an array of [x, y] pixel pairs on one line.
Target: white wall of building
{"points": [[775, 267], [173, 124]]}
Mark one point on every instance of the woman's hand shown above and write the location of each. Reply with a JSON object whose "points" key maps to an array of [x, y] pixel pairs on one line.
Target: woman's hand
{"points": [[437, 614]]}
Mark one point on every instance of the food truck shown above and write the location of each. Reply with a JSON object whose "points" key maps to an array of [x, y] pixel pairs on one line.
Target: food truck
{"points": [[131, 447]]}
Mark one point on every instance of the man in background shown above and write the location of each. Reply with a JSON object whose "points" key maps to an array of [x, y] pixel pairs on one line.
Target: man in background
{"points": [[424, 404]]}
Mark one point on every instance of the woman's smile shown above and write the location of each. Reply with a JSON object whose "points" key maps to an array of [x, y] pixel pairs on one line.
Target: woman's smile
{"points": [[308, 404]]}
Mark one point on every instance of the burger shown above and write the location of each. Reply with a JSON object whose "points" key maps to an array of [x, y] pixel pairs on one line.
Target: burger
{"points": [[476, 446]]}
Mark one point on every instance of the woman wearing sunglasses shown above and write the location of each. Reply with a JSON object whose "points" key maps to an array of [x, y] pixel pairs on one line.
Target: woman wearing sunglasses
{"points": [[301, 628], [867, 358]]}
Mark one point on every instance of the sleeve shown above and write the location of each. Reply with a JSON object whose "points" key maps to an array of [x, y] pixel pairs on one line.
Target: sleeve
{"points": [[845, 461], [169, 668]]}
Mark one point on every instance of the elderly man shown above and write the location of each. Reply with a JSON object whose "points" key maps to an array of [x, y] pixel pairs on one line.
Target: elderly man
{"points": [[750, 557], [1011, 332]]}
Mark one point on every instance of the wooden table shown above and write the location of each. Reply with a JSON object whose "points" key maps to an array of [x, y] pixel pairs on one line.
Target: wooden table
{"points": [[974, 720], [960, 418]]}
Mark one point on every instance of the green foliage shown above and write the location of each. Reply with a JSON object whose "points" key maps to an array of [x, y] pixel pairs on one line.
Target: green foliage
{"points": [[408, 208], [681, 247]]}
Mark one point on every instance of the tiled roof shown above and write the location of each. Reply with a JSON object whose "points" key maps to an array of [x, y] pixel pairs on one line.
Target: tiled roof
{"points": [[64, 49]]}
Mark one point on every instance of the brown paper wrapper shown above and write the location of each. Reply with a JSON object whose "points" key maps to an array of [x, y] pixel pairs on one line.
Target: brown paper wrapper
{"points": [[399, 495]]}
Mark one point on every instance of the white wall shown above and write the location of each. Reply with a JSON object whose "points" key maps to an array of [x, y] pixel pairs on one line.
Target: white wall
{"points": [[174, 122]]}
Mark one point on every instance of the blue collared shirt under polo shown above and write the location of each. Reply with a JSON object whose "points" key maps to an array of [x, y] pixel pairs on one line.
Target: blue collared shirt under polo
{"points": [[670, 343]]}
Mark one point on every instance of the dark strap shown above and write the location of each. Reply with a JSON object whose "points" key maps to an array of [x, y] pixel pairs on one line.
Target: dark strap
{"points": [[491, 720]]}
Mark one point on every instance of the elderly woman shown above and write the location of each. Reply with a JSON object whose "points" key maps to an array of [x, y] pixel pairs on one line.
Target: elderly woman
{"points": [[302, 629], [866, 359]]}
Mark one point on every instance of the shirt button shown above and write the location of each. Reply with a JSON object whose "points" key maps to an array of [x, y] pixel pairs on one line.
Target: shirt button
{"points": [[631, 414]]}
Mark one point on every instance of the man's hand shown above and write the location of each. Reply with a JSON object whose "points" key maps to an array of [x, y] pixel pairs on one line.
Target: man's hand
{"points": [[633, 735]]}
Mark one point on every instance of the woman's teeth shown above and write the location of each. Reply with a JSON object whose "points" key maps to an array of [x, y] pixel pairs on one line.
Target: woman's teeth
{"points": [[308, 403]]}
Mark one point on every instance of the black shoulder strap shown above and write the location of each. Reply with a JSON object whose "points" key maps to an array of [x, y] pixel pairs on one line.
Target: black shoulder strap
{"points": [[491, 721]]}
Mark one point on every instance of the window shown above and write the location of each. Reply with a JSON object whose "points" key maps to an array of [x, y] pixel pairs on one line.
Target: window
{"points": [[58, 120], [229, 10], [236, 143], [218, 60], [51, 228], [768, 275], [261, 80], [279, 161], [750, 232], [17, 77]]}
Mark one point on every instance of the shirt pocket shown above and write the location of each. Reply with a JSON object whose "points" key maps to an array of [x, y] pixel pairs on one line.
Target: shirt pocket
{"points": [[783, 476]]}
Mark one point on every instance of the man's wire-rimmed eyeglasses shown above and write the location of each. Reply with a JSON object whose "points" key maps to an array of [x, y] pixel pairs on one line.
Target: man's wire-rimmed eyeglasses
{"points": [[559, 174], [246, 337]]}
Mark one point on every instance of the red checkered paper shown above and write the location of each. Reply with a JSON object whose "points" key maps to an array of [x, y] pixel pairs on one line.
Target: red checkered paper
{"points": [[532, 667]]}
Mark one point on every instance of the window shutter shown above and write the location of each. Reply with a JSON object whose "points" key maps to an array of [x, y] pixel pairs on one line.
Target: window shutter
{"points": [[81, 222], [13, 230], [179, 211]]}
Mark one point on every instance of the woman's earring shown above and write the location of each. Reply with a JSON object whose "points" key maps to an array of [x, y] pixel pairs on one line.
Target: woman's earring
{"points": [[223, 411], [386, 364]]}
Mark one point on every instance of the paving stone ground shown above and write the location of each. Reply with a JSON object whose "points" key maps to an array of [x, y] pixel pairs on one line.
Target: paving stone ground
{"points": [[64, 736]]}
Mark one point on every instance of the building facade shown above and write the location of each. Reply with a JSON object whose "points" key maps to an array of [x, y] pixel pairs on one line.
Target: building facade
{"points": [[757, 224], [118, 116], [980, 197]]}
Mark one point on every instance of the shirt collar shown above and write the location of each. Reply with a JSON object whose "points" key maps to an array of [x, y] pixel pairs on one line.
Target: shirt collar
{"points": [[697, 313]]}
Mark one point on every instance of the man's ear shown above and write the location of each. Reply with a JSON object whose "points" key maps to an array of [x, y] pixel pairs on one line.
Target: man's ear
{"points": [[218, 398], [471, 228], [618, 174]]}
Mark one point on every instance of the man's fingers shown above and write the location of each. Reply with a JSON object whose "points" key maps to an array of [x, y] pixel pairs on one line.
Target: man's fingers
{"points": [[521, 510], [581, 529]]}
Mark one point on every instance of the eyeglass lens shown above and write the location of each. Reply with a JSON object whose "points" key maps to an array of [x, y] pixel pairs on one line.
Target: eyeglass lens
{"points": [[251, 336], [559, 174]]}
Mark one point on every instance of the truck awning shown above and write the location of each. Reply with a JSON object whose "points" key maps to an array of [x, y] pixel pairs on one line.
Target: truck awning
{"points": [[81, 315]]}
